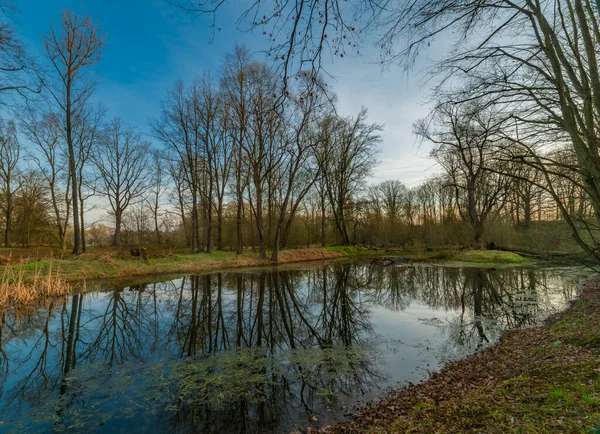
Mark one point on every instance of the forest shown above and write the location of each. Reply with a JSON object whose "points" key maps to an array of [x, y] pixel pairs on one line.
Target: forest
{"points": [[245, 157]]}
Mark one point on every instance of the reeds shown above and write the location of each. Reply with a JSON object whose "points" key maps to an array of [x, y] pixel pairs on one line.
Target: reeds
{"points": [[15, 289]]}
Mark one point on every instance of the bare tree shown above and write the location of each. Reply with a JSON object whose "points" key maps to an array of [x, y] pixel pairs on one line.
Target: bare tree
{"points": [[223, 157], [18, 72], [45, 132], [346, 158], [179, 184], [263, 150], [157, 187], [121, 159], [10, 150], [212, 136], [179, 129], [236, 92], [299, 169], [463, 136], [393, 194], [86, 128], [71, 51]]}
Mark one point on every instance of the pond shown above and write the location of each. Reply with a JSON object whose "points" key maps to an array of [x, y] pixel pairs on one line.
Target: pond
{"points": [[254, 351]]}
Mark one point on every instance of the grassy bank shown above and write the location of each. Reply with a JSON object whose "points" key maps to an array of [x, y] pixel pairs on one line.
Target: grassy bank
{"points": [[46, 273], [538, 380], [107, 263], [25, 281], [489, 257], [83, 267]]}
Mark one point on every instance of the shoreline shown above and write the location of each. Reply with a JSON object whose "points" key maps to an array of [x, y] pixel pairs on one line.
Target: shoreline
{"points": [[26, 282], [543, 379], [76, 270], [29, 279]]}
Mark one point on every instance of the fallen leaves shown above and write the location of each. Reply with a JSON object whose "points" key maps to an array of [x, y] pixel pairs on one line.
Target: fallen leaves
{"points": [[543, 379]]}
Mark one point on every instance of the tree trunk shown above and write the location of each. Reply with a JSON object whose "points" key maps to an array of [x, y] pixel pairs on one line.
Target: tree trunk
{"points": [[209, 217], [8, 213], [197, 231], [527, 211], [240, 203], [262, 249], [323, 221], [75, 197], [156, 228], [182, 212], [81, 213], [7, 226], [117, 235], [220, 224], [156, 225], [194, 226], [62, 239], [73, 172], [477, 230]]}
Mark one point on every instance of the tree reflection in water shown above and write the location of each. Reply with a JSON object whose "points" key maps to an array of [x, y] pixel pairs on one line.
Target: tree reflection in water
{"points": [[246, 352]]}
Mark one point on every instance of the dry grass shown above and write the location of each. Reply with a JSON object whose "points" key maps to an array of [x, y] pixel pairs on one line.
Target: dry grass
{"points": [[302, 255], [19, 286], [24, 282]]}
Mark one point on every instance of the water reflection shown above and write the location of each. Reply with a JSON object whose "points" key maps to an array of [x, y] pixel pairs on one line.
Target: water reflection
{"points": [[252, 352]]}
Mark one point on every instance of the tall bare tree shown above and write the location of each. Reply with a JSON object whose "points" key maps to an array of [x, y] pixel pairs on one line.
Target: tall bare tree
{"points": [[263, 150], [236, 93], [86, 129], [72, 50], [299, 169]]}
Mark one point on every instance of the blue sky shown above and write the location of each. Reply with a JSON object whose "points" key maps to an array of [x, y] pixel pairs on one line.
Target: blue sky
{"points": [[151, 44]]}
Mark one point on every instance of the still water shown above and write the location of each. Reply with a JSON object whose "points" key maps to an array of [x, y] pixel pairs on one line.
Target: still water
{"points": [[257, 351]]}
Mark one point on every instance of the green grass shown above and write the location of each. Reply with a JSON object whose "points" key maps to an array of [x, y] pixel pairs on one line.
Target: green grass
{"points": [[489, 256], [101, 266], [344, 250], [78, 268]]}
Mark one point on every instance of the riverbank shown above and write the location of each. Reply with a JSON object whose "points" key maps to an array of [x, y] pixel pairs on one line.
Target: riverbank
{"points": [[25, 279], [538, 380], [75, 269]]}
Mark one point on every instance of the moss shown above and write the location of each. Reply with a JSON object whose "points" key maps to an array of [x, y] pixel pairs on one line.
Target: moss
{"points": [[489, 256], [345, 250]]}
